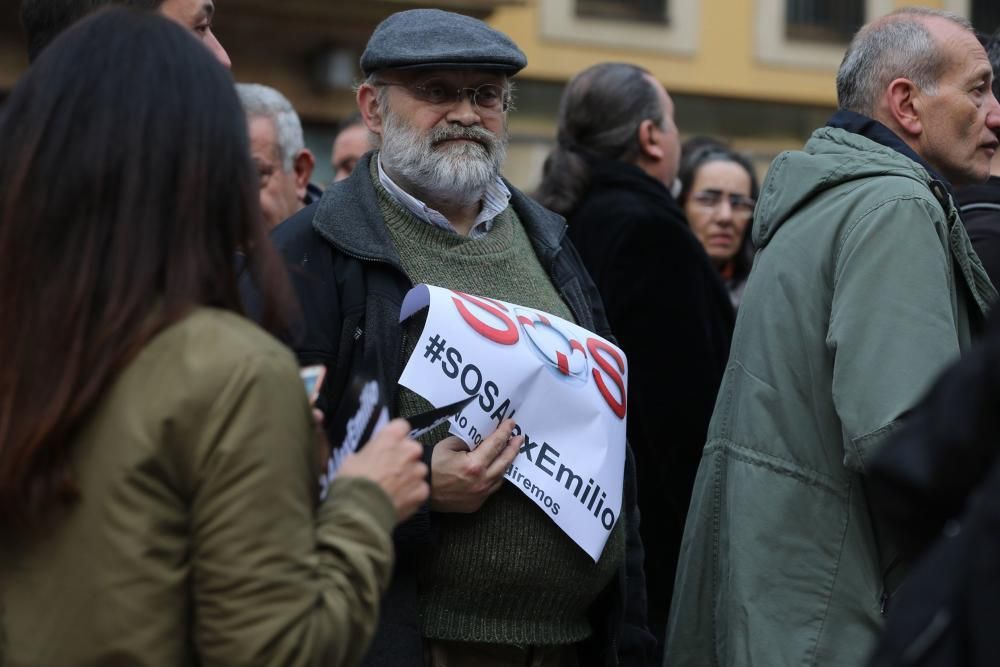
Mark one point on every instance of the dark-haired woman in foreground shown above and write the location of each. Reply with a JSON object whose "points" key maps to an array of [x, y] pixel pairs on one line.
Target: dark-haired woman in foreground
{"points": [[158, 470]]}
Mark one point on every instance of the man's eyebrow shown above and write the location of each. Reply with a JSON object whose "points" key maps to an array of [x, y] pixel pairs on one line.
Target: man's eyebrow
{"points": [[208, 9], [983, 73]]}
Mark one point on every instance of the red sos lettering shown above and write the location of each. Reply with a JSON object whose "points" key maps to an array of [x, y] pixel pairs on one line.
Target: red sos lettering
{"points": [[597, 348], [507, 334], [504, 336]]}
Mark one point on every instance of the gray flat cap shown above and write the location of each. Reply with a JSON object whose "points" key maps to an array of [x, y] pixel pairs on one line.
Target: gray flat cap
{"points": [[436, 39]]}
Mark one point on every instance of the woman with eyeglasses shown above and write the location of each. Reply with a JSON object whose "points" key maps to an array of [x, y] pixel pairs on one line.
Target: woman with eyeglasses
{"points": [[718, 193], [159, 493]]}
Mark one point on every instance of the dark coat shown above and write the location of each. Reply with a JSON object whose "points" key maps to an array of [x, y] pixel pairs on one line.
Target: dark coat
{"points": [[672, 316], [980, 209], [938, 483], [350, 284]]}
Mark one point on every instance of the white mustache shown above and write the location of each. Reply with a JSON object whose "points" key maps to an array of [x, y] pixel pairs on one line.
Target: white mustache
{"points": [[477, 134]]}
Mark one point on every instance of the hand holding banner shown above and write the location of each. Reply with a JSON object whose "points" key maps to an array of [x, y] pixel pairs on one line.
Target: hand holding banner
{"points": [[564, 385]]}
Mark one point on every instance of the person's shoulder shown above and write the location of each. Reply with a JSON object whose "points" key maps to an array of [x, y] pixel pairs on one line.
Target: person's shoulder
{"points": [[223, 329], [209, 360], [210, 343], [882, 197], [296, 230], [622, 212]]}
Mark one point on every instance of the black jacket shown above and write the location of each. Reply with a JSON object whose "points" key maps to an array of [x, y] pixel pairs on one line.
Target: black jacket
{"points": [[980, 209], [938, 483], [672, 316], [351, 284]]}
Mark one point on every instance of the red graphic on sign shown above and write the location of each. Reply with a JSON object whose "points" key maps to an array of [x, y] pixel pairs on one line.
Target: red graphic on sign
{"points": [[506, 336], [596, 348], [553, 345]]}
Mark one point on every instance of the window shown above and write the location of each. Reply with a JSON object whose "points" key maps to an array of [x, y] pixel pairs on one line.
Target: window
{"points": [[832, 21], [624, 10], [657, 26], [986, 15], [814, 33]]}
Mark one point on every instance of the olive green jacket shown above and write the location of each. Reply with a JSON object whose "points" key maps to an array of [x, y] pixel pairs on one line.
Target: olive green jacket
{"points": [[865, 286], [198, 537]]}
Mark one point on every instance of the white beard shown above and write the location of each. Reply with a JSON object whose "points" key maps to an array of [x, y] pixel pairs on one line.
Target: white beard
{"points": [[453, 173]]}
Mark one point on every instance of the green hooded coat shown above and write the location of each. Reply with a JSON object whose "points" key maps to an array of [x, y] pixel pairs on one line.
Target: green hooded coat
{"points": [[864, 287]]}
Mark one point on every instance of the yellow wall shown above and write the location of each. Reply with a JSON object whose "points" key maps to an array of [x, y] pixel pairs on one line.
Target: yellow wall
{"points": [[724, 64]]}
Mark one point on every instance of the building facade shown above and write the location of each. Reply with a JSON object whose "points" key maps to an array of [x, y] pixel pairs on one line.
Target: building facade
{"points": [[759, 73]]}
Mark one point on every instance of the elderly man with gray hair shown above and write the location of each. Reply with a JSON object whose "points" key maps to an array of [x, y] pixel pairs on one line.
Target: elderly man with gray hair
{"points": [[864, 288], [483, 576], [283, 162]]}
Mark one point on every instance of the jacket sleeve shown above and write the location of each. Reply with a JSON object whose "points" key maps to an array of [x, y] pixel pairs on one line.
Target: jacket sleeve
{"points": [[277, 578], [893, 324], [925, 475]]}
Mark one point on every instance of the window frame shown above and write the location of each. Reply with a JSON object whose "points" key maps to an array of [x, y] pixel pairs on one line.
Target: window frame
{"points": [[664, 9], [678, 36], [822, 34], [774, 47]]}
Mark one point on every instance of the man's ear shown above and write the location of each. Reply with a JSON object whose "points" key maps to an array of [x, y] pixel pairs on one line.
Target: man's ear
{"points": [[368, 105], [303, 166], [651, 141], [904, 100]]}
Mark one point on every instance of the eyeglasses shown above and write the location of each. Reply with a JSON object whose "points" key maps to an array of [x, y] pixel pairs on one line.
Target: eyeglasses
{"points": [[741, 205], [488, 96]]}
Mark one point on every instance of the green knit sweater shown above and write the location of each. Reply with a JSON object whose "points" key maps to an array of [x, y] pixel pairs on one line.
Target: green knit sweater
{"points": [[505, 574]]}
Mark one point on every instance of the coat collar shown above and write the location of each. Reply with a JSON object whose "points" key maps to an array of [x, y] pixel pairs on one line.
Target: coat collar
{"points": [[348, 217], [880, 134], [615, 173]]}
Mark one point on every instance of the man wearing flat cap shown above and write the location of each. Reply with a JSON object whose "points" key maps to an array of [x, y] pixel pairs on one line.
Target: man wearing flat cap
{"points": [[483, 577]]}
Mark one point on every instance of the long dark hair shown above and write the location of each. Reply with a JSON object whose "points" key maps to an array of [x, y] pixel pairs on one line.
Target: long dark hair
{"points": [[599, 115], [696, 153], [127, 190]]}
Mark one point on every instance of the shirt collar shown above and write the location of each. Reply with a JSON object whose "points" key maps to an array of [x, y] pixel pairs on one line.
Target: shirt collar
{"points": [[495, 200]]}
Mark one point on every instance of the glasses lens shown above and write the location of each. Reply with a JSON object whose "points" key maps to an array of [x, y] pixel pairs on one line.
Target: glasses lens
{"points": [[742, 205], [488, 96], [434, 92], [709, 198]]}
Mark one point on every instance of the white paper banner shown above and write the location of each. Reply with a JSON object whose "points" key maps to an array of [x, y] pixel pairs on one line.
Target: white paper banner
{"points": [[563, 385]]}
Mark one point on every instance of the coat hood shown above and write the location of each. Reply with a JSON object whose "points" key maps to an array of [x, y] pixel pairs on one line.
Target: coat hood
{"points": [[830, 158]]}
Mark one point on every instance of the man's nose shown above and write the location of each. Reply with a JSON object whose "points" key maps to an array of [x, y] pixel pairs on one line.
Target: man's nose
{"points": [[463, 111], [993, 114]]}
